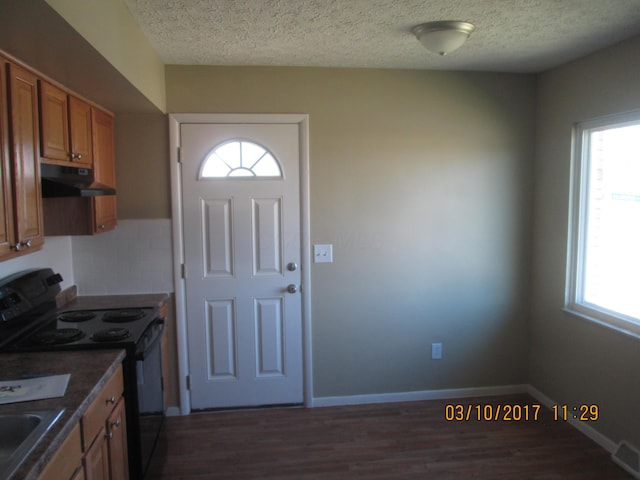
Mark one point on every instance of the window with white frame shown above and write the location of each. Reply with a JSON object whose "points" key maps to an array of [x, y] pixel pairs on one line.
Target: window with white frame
{"points": [[604, 246], [240, 158]]}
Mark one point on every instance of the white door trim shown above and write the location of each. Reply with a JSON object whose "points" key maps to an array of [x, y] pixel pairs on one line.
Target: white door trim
{"points": [[177, 119]]}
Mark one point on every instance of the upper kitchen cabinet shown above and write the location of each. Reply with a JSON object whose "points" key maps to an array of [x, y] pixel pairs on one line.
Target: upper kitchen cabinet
{"points": [[104, 207], [88, 215], [65, 128], [80, 132], [6, 189], [46, 128], [22, 227]]}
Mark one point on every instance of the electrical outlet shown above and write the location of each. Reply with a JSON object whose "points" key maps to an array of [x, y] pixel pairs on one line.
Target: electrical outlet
{"points": [[436, 351]]}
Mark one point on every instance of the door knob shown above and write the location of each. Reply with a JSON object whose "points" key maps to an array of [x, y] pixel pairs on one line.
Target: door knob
{"points": [[292, 266], [291, 288]]}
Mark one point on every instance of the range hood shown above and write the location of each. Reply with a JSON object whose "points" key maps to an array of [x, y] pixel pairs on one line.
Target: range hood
{"points": [[58, 181]]}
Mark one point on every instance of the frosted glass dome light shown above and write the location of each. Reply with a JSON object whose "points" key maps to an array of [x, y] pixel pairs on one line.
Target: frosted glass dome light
{"points": [[443, 37]]}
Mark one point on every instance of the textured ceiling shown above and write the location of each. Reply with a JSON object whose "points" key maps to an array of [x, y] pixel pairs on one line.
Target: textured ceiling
{"points": [[510, 36]]}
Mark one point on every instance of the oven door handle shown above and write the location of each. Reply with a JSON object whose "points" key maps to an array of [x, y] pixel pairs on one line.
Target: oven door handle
{"points": [[140, 355]]}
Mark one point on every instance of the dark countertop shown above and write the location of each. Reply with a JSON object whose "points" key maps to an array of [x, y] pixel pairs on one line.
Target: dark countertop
{"points": [[103, 302], [90, 370]]}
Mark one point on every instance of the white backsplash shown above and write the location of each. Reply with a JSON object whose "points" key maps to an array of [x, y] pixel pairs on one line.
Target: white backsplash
{"points": [[56, 253], [136, 257]]}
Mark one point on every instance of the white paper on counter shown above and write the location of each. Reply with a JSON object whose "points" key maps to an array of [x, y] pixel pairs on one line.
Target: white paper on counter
{"points": [[27, 389]]}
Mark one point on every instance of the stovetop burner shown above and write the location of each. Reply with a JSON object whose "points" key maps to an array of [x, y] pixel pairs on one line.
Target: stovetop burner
{"points": [[123, 316], [74, 329], [110, 335], [59, 336], [77, 316]]}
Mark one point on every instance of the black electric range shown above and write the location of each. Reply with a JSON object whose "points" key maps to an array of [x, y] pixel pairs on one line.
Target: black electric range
{"points": [[30, 322]]}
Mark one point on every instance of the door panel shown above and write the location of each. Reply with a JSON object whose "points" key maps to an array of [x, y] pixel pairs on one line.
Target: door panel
{"points": [[270, 336], [218, 241], [244, 328], [266, 236], [221, 338]]}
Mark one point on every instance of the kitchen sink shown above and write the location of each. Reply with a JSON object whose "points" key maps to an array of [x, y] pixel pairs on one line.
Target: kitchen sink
{"points": [[19, 434]]}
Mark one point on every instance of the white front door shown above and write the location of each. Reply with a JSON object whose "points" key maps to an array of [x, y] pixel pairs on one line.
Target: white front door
{"points": [[241, 220]]}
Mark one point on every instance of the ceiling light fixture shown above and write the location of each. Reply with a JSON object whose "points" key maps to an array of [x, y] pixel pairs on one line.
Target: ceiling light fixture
{"points": [[443, 37]]}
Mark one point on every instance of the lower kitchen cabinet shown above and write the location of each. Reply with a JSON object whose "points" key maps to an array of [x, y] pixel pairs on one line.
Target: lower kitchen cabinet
{"points": [[66, 463], [96, 460], [106, 458], [96, 449], [79, 475], [117, 443], [104, 434]]}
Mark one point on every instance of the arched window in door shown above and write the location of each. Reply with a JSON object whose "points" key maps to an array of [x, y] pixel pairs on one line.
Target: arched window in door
{"points": [[240, 158]]}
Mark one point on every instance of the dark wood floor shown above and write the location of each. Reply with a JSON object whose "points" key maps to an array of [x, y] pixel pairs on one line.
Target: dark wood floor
{"points": [[384, 441]]}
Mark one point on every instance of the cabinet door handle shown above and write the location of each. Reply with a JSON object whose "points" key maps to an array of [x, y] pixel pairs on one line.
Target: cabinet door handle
{"points": [[116, 424], [112, 400], [20, 245], [108, 435]]}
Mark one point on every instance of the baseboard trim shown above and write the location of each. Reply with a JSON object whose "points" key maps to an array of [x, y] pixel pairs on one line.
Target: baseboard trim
{"points": [[415, 396], [173, 412], [583, 427], [418, 395]]}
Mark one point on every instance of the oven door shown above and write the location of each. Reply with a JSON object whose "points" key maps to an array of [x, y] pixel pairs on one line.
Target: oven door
{"points": [[150, 397]]}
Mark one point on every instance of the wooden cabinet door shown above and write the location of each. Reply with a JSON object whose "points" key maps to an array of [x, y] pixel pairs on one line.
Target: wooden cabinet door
{"points": [[117, 435], [79, 475], [24, 140], [6, 200], [96, 460], [54, 123], [67, 459], [105, 214], [80, 130]]}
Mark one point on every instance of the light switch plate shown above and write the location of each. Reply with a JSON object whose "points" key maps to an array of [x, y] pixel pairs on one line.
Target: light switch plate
{"points": [[323, 253]]}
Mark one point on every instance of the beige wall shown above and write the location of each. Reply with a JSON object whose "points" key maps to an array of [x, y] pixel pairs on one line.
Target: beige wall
{"points": [[142, 165], [111, 29], [421, 180], [574, 361], [36, 34]]}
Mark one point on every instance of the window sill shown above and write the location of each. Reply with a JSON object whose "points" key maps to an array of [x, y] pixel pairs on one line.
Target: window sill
{"points": [[612, 323]]}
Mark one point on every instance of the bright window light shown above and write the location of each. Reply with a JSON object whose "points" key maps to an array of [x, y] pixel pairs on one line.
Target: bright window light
{"points": [[240, 158], [604, 274]]}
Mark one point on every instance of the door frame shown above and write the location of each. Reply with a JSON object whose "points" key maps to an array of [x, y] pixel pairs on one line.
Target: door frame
{"points": [[175, 122]]}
